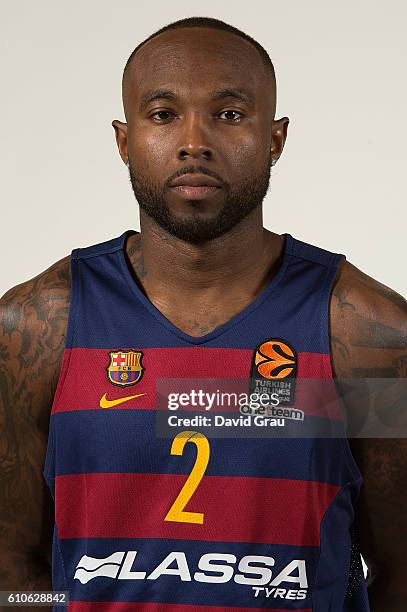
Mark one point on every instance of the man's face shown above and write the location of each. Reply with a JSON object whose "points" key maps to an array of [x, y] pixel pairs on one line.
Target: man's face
{"points": [[179, 121]]}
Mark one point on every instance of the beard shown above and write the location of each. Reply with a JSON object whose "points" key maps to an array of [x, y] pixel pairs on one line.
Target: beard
{"points": [[240, 201]]}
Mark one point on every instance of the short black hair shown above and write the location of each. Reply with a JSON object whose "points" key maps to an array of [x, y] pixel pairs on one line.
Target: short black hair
{"points": [[207, 22]]}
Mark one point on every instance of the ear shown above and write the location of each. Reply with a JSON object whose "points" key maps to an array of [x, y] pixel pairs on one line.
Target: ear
{"points": [[278, 137], [120, 129]]}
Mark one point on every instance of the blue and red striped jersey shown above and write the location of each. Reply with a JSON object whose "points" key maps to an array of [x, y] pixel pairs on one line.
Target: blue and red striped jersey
{"points": [[238, 523]]}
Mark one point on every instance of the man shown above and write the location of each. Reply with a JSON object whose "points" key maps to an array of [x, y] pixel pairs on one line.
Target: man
{"points": [[203, 291]]}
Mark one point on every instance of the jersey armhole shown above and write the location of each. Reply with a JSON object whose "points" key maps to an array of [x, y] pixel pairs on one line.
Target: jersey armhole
{"points": [[48, 469], [336, 262]]}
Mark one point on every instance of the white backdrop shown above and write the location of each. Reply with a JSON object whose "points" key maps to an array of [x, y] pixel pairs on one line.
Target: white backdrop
{"points": [[340, 183]]}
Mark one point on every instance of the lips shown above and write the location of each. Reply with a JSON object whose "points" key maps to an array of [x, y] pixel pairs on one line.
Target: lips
{"points": [[195, 180], [196, 186], [193, 192]]}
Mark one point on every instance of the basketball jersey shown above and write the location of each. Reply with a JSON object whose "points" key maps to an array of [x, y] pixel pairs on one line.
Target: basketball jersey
{"points": [[275, 514]]}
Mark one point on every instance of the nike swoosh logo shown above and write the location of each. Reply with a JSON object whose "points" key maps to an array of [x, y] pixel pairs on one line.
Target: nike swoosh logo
{"points": [[105, 403]]}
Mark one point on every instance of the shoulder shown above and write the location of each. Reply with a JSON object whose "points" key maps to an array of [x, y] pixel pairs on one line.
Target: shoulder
{"points": [[368, 325], [39, 294], [33, 314]]}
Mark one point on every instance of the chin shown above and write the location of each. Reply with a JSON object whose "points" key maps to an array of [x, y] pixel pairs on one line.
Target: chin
{"points": [[197, 233]]}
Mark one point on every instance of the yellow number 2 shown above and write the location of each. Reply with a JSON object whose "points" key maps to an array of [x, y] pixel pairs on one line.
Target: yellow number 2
{"points": [[176, 513]]}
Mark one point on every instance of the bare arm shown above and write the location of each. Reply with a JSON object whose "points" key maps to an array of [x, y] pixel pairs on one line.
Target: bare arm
{"points": [[369, 340], [33, 318]]}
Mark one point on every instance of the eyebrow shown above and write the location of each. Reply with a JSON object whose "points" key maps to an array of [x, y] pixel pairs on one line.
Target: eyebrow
{"points": [[166, 94], [156, 94], [238, 93]]}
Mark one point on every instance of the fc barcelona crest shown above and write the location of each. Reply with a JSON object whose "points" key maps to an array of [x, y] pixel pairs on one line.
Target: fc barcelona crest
{"points": [[125, 368]]}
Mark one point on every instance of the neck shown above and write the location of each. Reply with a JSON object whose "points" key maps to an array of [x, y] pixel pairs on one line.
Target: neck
{"points": [[241, 259]]}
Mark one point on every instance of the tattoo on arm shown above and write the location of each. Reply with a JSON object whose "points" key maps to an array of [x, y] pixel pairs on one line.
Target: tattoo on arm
{"points": [[369, 340], [33, 319]]}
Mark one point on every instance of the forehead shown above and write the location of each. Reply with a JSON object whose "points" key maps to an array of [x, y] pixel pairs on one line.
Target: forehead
{"points": [[196, 57]]}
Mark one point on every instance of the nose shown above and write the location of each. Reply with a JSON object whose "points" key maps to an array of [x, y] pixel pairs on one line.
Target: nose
{"points": [[193, 140]]}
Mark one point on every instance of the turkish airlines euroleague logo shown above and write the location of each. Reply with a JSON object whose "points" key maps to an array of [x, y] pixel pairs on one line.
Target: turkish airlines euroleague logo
{"points": [[275, 359], [274, 369]]}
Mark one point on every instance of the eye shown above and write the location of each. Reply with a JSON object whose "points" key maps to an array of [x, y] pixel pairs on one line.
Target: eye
{"points": [[232, 111], [162, 112]]}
